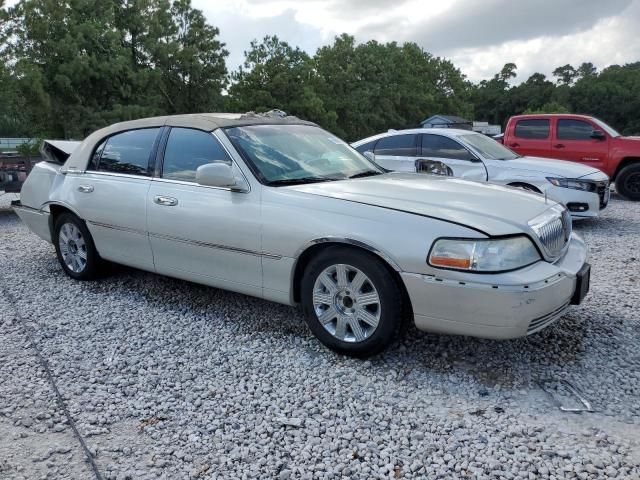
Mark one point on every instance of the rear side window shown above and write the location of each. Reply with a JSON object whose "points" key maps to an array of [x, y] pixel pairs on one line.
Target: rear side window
{"points": [[532, 128], [399, 145], [126, 152], [186, 150], [569, 129], [443, 147], [366, 147]]}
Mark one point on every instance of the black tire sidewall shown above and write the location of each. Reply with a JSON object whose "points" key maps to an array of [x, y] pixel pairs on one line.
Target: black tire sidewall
{"points": [[633, 169], [91, 269], [385, 284]]}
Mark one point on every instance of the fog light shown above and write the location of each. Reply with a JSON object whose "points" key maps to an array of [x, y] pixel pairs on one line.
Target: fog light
{"points": [[577, 207]]}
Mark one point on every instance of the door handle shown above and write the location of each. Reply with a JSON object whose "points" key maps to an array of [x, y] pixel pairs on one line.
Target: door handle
{"points": [[558, 145], [514, 144], [85, 188], [166, 201]]}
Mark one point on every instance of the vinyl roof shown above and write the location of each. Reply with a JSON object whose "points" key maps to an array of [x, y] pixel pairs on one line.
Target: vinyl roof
{"points": [[210, 121]]}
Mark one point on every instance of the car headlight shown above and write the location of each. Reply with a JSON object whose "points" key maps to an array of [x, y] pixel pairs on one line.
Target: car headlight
{"points": [[490, 255], [573, 183]]}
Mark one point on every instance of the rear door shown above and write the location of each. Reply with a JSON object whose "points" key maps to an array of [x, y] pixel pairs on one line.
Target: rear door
{"points": [[205, 234], [572, 141], [530, 136], [111, 196], [397, 152], [461, 162]]}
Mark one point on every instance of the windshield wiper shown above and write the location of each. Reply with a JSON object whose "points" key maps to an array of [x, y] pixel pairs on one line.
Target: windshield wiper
{"points": [[298, 181], [366, 173]]}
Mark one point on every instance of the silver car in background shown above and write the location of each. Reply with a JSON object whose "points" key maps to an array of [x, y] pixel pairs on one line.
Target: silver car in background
{"points": [[280, 209]]}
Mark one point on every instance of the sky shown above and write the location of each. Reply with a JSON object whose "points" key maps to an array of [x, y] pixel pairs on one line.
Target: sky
{"points": [[478, 36]]}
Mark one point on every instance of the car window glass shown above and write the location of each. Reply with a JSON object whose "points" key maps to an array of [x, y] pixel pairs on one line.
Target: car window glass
{"points": [[569, 129], [399, 145], [95, 158], [366, 147], [187, 149], [443, 147], [128, 152], [532, 128]]}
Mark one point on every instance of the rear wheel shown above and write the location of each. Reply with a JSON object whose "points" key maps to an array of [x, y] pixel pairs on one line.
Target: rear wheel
{"points": [[628, 182], [351, 301], [75, 249]]}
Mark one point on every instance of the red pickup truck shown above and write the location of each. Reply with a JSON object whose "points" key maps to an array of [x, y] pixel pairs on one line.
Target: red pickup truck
{"points": [[579, 138]]}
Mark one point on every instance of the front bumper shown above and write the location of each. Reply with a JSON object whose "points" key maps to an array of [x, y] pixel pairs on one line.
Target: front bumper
{"points": [[507, 305], [581, 204]]}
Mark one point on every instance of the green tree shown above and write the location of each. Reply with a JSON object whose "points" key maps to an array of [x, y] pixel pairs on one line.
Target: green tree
{"points": [[565, 75], [276, 76]]}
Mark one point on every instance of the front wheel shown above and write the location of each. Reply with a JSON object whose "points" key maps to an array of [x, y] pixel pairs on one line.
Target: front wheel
{"points": [[75, 249], [628, 182], [351, 301]]}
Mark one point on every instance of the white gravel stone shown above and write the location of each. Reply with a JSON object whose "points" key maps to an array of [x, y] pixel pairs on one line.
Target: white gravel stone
{"points": [[167, 379]]}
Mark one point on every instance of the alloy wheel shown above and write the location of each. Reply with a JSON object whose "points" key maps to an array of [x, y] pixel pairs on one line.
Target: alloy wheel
{"points": [[72, 247], [346, 303]]}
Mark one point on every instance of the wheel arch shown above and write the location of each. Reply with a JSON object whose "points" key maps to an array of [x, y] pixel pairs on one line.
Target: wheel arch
{"points": [[56, 209], [524, 185], [315, 247], [624, 163]]}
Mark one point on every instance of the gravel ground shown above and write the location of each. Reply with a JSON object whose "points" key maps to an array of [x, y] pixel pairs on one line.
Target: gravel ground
{"points": [[167, 379]]}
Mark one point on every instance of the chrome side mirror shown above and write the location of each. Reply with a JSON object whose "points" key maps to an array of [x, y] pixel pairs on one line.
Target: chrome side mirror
{"points": [[220, 174]]}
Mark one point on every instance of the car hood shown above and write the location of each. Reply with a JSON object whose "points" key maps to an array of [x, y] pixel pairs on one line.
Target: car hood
{"points": [[550, 167], [490, 209]]}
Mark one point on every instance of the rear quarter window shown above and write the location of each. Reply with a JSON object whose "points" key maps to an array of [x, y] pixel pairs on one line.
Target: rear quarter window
{"points": [[532, 128]]}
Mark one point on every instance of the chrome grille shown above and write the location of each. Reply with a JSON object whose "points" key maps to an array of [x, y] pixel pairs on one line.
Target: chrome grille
{"points": [[554, 230]]}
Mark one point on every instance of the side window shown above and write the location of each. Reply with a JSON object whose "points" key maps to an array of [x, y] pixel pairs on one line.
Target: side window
{"points": [[532, 128], [186, 150], [400, 145], [569, 129], [95, 159], [365, 147], [126, 152], [440, 146]]}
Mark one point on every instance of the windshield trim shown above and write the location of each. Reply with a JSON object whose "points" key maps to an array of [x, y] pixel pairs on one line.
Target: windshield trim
{"points": [[267, 183]]}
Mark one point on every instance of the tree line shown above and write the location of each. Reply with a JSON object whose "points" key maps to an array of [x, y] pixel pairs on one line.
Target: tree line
{"points": [[72, 66]]}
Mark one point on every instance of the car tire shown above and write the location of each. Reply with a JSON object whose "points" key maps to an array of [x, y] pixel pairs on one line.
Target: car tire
{"points": [[75, 249], [628, 182], [352, 302]]}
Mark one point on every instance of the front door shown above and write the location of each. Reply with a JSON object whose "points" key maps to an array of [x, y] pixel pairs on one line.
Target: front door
{"points": [[204, 234], [460, 161], [111, 196], [573, 141]]}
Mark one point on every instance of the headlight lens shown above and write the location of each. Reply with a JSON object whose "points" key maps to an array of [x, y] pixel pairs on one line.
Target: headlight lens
{"points": [[483, 255], [573, 183]]}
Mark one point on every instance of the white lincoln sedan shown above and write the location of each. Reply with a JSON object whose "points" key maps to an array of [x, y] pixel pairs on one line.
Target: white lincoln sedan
{"points": [[280, 209], [473, 156]]}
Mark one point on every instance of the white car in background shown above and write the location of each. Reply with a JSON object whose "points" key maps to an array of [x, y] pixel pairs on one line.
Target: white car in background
{"points": [[473, 156]]}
